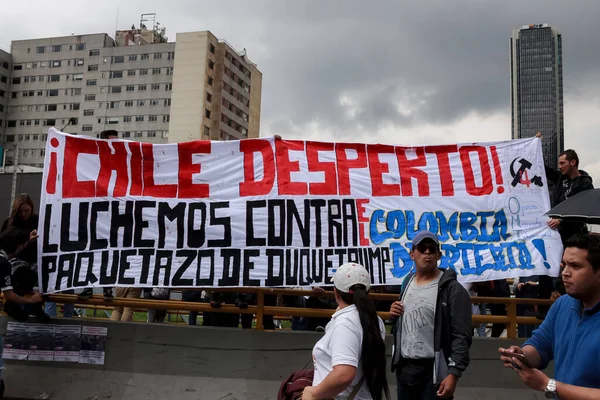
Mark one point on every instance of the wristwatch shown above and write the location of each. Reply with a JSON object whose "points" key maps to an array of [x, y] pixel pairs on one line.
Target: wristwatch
{"points": [[550, 391]]}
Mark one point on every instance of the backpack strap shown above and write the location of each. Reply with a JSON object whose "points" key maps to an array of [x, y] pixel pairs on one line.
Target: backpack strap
{"points": [[357, 388]]}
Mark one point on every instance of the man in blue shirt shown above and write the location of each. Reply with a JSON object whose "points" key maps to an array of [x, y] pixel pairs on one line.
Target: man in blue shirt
{"points": [[570, 333]]}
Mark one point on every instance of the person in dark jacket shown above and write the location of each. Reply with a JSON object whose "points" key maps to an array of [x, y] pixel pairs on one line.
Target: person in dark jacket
{"points": [[23, 216], [568, 180], [432, 326]]}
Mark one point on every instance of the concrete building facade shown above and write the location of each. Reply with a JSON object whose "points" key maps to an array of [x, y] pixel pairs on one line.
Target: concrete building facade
{"points": [[135, 84], [537, 87]]}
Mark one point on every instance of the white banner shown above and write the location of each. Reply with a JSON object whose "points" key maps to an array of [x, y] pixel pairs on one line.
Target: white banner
{"points": [[266, 212]]}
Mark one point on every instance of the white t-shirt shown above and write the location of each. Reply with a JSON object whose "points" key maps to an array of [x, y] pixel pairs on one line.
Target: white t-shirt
{"points": [[341, 345]]}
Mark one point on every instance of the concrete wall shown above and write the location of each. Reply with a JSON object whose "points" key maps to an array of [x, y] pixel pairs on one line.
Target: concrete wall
{"points": [[30, 183], [160, 361]]}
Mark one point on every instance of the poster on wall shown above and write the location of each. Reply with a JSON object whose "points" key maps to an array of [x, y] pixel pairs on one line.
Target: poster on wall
{"points": [[93, 345], [67, 343], [41, 342]]}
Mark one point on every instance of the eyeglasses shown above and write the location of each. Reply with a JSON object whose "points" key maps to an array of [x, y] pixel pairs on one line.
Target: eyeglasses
{"points": [[431, 246]]}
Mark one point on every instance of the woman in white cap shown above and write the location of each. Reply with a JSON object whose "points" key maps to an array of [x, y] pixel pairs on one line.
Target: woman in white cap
{"points": [[349, 360]]}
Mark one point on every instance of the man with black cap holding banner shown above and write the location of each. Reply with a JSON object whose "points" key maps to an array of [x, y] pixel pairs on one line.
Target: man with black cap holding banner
{"points": [[431, 349]]}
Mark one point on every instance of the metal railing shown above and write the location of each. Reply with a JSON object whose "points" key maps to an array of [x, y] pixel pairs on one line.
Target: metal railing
{"points": [[511, 320]]}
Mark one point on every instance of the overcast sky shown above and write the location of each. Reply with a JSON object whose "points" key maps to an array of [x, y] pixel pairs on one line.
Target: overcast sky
{"points": [[399, 72]]}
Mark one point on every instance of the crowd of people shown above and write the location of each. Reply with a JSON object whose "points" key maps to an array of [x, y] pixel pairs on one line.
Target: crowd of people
{"points": [[431, 320]]}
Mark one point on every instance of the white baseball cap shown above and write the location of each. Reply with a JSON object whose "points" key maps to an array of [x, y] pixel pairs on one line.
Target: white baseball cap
{"points": [[351, 274]]}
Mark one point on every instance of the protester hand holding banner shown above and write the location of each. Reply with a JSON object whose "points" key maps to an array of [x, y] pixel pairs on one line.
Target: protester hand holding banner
{"points": [[266, 212]]}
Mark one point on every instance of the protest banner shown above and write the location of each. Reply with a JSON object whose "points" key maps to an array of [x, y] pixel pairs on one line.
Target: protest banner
{"points": [[266, 212]]}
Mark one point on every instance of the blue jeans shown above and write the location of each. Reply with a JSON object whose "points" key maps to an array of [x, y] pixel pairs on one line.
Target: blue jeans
{"points": [[50, 308], [193, 296], [425, 391]]}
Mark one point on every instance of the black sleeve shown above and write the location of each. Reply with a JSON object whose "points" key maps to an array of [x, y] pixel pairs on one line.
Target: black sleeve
{"points": [[5, 278], [553, 175], [461, 328]]}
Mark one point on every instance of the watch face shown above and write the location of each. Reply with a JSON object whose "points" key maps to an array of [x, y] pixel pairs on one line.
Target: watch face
{"points": [[550, 395]]}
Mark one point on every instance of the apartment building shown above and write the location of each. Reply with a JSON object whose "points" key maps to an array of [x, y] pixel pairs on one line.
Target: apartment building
{"points": [[5, 61], [198, 87]]}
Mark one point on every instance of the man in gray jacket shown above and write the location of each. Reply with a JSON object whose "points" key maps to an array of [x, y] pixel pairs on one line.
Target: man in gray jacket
{"points": [[432, 329]]}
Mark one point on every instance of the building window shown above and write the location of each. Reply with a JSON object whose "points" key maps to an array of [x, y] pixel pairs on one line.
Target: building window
{"points": [[25, 79], [145, 56], [166, 118], [77, 77], [116, 74], [49, 122], [210, 80], [113, 104], [94, 53], [167, 102], [54, 78], [130, 88], [152, 118], [212, 48], [209, 97], [127, 118], [170, 71], [90, 97], [129, 103], [143, 71], [43, 64], [115, 89], [40, 49], [157, 56], [55, 64], [75, 107], [91, 82], [17, 67], [16, 81], [133, 57], [207, 113], [206, 131], [118, 59], [56, 48], [138, 134], [139, 118], [171, 55], [131, 72], [155, 86], [151, 134], [112, 120], [141, 103], [11, 123], [126, 134], [80, 46], [93, 67], [86, 128], [79, 62], [141, 87], [211, 64], [153, 103], [156, 71], [52, 92], [169, 86], [88, 113]]}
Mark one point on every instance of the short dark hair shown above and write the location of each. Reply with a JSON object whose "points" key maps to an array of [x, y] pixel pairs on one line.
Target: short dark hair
{"points": [[108, 133], [570, 156], [12, 238], [588, 242]]}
